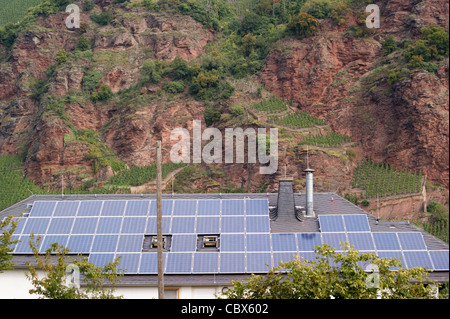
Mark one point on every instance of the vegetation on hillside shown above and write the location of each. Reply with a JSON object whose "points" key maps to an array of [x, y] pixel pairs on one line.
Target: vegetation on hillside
{"points": [[15, 186], [380, 179]]}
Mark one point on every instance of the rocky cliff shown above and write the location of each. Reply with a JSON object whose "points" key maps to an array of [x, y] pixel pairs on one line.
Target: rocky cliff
{"points": [[332, 75]]}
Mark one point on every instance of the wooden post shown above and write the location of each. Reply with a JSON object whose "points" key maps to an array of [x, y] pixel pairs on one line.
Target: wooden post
{"points": [[159, 221]]}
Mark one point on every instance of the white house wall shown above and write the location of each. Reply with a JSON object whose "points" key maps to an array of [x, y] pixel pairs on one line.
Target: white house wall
{"points": [[14, 285]]}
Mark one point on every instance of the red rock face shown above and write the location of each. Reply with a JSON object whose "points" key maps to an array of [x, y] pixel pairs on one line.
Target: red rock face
{"points": [[405, 124]]}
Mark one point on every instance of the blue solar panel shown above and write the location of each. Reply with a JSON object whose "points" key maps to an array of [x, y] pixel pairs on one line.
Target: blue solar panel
{"points": [[258, 242], [184, 243], [137, 208], [24, 245], [308, 256], [356, 223], [104, 243], [208, 207], [257, 207], [208, 225], [257, 224], [66, 209], [392, 255], [149, 263], [41, 209], [259, 262], [307, 241], [90, 208], [412, 241], [152, 226], [166, 207], [51, 239], [283, 258], [60, 226], [36, 226], [232, 242], [232, 207], [232, 224], [386, 241], [109, 225], [100, 260], [284, 242], [179, 263], [440, 259], [85, 225], [13, 238], [113, 208], [335, 240], [80, 243], [331, 223], [361, 241], [232, 263], [130, 243], [19, 227], [206, 263], [133, 225], [184, 208], [128, 263], [184, 225], [417, 259]]}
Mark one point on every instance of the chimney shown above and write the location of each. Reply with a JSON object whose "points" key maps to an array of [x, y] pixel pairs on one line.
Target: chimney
{"points": [[285, 202], [309, 192]]}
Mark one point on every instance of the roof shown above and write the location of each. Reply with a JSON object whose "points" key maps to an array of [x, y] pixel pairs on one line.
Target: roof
{"points": [[324, 204]]}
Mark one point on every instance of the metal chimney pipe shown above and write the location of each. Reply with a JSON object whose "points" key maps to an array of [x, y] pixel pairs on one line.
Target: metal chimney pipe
{"points": [[309, 192]]}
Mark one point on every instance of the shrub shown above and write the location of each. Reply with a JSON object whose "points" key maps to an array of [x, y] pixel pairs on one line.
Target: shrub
{"points": [[340, 13], [83, 44], [61, 56], [437, 37], [150, 72], [103, 18], [416, 61], [92, 80], [88, 5], [389, 45], [319, 9], [174, 86], [430, 67], [303, 25], [8, 34], [236, 110], [365, 202], [211, 115], [253, 23], [105, 93]]}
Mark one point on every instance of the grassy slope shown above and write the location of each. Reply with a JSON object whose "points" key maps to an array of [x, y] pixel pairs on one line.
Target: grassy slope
{"points": [[13, 10]]}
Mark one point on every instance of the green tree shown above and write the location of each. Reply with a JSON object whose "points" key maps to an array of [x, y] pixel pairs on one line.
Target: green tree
{"points": [[61, 56], [340, 275], [212, 114], [105, 93], [389, 45], [54, 266], [303, 25], [7, 228], [83, 44]]}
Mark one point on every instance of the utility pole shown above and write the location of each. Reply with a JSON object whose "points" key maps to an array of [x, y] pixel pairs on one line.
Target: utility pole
{"points": [[159, 221]]}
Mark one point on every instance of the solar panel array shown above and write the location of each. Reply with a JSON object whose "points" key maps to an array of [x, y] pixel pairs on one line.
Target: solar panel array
{"points": [[106, 230]]}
